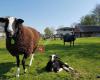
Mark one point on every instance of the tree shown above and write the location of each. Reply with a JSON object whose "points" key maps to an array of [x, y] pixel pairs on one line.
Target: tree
{"points": [[48, 31], [52, 29], [96, 13], [93, 18], [88, 20]]}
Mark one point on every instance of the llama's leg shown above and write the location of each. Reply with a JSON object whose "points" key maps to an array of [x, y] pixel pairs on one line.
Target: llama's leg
{"points": [[64, 43], [32, 57], [73, 43], [18, 68], [23, 63], [70, 43]]}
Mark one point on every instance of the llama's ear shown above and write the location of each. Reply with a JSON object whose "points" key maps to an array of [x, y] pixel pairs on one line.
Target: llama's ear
{"points": [[2, 19], [20, 21]]}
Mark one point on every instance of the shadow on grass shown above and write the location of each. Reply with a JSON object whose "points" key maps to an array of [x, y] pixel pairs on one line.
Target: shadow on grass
{"points": [[41, 70], [79, 50], [3, 50], [4, 68]]}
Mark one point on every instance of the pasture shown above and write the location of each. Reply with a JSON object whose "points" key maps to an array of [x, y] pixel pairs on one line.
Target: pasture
{"points": [[84, 58]]}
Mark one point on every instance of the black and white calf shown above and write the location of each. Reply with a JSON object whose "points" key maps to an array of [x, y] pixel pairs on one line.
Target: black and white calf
{"points": [[56, 65]]}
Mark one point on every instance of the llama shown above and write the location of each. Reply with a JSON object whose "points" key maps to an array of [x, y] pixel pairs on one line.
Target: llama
{"points": [[69, 38], [20, 39]]}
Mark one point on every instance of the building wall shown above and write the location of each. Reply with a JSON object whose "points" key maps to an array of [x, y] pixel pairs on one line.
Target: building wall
{"points": [[64, 32], [89, 34], [2, 34], [96, 34]]}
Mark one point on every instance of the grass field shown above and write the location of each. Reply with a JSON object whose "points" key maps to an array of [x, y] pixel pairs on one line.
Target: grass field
{"points": [[84, 58]]}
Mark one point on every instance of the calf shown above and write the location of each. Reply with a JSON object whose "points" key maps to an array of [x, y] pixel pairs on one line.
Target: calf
{"points": [[56, 65]]}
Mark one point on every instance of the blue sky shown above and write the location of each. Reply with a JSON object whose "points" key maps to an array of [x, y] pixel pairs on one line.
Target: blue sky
{"points": [[43, 13]]}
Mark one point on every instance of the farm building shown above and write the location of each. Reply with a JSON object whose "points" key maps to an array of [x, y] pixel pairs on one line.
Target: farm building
{"points": [[1, 32], [65, 30], [87, 31]]}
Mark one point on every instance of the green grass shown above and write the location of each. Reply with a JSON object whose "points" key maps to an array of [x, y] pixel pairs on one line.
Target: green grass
{"points": [[84, 58]]}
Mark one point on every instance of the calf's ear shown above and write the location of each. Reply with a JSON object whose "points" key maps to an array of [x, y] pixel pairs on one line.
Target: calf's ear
{"points": [[20, 21], [50, 56]]}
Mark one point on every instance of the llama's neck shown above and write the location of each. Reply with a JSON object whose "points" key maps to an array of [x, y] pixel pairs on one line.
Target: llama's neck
{"points": [[18, 37], [9, 42]]}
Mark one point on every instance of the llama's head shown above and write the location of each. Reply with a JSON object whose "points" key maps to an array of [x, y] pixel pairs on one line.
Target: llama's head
{"points": [[54, 57], [10, 25]]}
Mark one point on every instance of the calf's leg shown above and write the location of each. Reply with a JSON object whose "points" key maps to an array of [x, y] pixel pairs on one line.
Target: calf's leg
{"points": [[60, 69]]}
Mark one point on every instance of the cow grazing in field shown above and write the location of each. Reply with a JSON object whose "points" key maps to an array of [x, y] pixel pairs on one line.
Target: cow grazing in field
{"points": [[20, 39], [69, 38], [56, 65]]}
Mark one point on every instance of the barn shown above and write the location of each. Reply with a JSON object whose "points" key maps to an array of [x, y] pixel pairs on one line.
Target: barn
{"points": [[87, 31], [64, 30], [1, 32]]}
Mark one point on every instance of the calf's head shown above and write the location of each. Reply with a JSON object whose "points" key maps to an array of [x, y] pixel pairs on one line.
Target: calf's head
{"points": [[10, 25], [54, 57]]}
